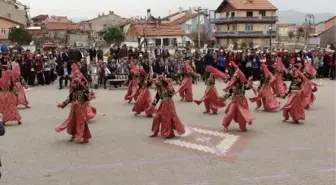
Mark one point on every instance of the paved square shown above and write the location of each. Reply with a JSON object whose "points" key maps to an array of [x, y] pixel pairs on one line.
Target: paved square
{"points": [[121, 153]]}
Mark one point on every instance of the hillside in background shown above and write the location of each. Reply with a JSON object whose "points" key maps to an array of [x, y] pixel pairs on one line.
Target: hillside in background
{"points": [[293, 16]]}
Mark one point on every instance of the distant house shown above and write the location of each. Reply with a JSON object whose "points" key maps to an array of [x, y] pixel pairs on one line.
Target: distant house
{"points": [[245, 21], [325, 25], [39, 20], [5, 26], [59, 31], [325, 38], [14, 10], [96, 25], [156, 35], [283, 29]]}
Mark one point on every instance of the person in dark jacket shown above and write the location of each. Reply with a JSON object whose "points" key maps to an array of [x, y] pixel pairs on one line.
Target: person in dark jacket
{"points": [[2, 127]]}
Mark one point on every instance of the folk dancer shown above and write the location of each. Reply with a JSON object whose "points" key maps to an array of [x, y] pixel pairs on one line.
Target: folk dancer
{"points": [[132, 92], [144, 100], [20, 85], [185, 89], [75, 73], [8, 99], [265, 95], [77, 121], [166, 114], [238, 108], [294, 107], [279, 87], [309, 87], [211, 99]]}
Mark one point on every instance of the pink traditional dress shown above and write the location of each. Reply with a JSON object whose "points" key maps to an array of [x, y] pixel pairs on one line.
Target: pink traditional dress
{"points": [[265, 95], [77, 121], [132, 92], [211, 99], [238, 109], [294, 107], [20, 85], [308, 86], [185, 89], [8, 99], [144, 100], [279, 87], [166, 117]]}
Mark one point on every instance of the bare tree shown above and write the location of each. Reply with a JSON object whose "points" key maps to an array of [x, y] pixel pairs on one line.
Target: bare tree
{"points": [[299, 34]]}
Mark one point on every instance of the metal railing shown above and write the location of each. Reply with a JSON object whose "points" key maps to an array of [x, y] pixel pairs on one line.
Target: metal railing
{"points": [[243, 33], [245, 19]]}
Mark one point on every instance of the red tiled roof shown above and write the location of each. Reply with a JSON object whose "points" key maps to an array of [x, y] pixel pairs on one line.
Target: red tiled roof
{"points": [[58, 19], [63, 26], [162, 30], [174, 14], [183, 19], [40, 17], [249, 4]]}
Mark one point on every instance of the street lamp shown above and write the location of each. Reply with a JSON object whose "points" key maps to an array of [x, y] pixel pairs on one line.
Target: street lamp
{"points": [[17, 26], [270, 31]]}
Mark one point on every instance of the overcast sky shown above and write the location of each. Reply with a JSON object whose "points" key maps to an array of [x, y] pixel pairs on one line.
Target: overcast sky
{"points": [[126, 8]]}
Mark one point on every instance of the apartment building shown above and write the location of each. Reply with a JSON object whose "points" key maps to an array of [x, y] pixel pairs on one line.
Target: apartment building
{"points": [[245, 22]]}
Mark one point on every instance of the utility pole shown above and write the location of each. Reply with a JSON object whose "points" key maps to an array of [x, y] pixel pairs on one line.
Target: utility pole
{"points": [[199, 11], [309, 20]]}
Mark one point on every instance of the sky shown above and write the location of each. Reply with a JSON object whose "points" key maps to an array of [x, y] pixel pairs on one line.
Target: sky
{"points": [[86, 9]]}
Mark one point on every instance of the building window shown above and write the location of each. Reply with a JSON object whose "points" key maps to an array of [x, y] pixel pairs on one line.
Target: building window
{"points": [[157, 42], [227, 14], [232, 14], [173, 42], [262, 13], [249, 14], [248, 27], [266, 42], [189, 27], [165, 41], [3, 31], [234, 27]]}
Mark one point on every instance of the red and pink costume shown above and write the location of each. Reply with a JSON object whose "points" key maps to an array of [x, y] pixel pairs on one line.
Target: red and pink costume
{"points": [[132, 92], [8, 98], [265, 95], [166, 117], [279, 87], [77, 121], [309, 87], [211, 99], [238, 108], [20, 85], [144, 100], [294, 107], [185, 89]]}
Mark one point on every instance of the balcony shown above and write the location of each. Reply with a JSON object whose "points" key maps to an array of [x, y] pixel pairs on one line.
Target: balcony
{"points": [[230, 20], [242, 34]]}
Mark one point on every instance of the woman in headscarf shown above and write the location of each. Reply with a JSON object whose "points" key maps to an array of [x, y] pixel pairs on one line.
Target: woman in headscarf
{"points": [[308, 86], [238, 108], [185, 89], [20, 84], [279, 87], [294, 107], [265, 95], [144, 99], [166, 116], [211, 99], [77, 121], [8, 99], [132, 92]]}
